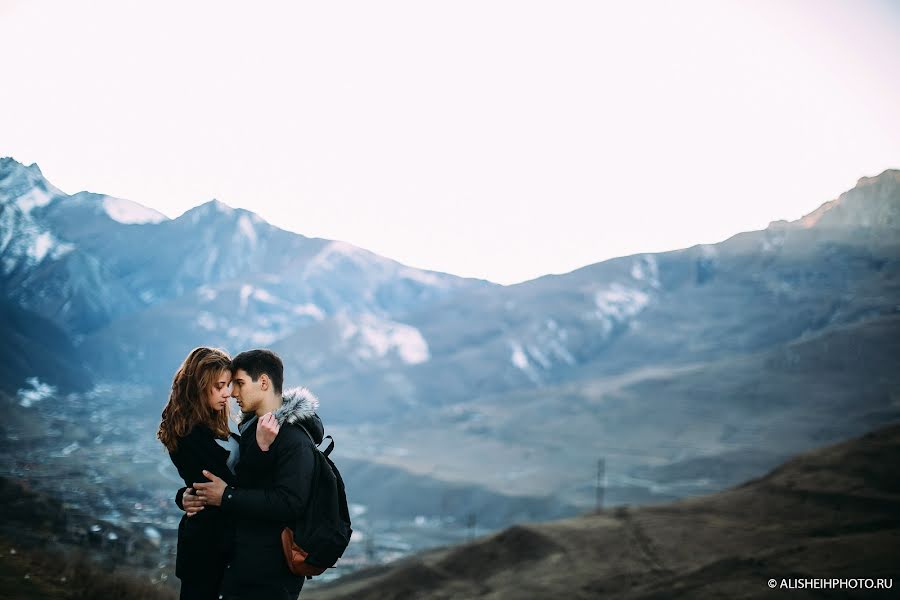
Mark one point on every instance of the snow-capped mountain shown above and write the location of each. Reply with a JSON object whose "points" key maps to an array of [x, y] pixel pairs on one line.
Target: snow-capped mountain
{"points": [[85, 208], [136, 290], [25, 187], [706, 364], [24, 241], [133, 287], [702, 348], [750, 293]]}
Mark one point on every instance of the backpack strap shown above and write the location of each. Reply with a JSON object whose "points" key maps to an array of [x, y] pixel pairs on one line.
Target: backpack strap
{"points": [[306, 432], [330, 447], [327, 450]]}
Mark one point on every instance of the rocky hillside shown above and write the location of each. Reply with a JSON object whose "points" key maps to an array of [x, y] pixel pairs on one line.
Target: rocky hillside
{"points": [[831, 513]]}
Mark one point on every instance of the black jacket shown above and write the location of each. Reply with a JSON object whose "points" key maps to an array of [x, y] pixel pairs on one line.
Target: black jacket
{"points": [[271, 493], [204, 539]]}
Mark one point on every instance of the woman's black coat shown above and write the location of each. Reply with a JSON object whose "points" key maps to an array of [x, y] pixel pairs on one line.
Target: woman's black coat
{"points": [[203, 539]]}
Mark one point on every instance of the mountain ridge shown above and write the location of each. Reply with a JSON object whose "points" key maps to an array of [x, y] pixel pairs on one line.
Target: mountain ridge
{"points": [[407, 359], [132, 259], [806, 221]]}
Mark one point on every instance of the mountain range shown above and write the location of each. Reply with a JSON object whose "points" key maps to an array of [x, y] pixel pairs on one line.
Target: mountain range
{"points": [[683, 371], [133, 289]]}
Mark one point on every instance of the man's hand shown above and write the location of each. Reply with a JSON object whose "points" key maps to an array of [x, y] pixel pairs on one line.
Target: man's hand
{"points": [[211, 493], [191, 502], [266, 431]]}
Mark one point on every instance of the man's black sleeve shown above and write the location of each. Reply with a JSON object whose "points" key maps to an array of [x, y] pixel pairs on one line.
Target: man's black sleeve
{"points": [[198, 451], [286, 498]]}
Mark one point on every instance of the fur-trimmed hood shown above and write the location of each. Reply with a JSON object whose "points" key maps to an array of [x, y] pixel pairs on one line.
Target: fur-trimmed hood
{"points": [[299, 407]]}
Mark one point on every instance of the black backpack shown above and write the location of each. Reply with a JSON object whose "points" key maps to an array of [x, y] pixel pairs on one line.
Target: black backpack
{"points": [[321, 535]]}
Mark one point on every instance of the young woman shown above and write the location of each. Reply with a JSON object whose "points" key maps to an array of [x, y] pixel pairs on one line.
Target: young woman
{"points": [[194, 429]]}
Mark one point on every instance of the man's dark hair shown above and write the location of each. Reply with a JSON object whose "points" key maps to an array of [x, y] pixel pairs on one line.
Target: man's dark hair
{"points": [[257, 362]]}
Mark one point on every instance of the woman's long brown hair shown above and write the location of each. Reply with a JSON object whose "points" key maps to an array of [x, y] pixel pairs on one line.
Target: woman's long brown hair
{"points": [[187, 405]]}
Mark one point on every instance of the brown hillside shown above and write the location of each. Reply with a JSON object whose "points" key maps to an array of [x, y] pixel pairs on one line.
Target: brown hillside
{"points": [[831, 513]]}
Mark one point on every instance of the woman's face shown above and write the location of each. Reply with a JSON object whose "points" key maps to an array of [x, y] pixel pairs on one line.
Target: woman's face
{"points": [[220, 391]]}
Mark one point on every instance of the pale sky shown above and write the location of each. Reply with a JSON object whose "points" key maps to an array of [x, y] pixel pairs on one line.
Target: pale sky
{"points": [[502, 140]]}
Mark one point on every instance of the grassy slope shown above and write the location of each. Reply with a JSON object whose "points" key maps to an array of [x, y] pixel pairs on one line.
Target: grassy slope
{"points": [[834, 512]]}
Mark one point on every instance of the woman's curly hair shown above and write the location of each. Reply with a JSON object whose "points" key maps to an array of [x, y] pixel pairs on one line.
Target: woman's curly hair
{"points": [[187, 405]]}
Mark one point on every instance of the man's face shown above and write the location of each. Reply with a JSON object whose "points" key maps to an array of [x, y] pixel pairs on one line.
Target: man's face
{"points": [[248, 393]]}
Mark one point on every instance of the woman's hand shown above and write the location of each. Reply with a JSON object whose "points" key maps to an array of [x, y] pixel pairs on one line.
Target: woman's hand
{"points": [[266, 431], [191, 502]]}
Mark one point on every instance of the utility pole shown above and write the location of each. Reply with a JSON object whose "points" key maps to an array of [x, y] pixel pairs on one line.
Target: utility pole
{"points": [[370, 547], [471, 522], [601, 482]]}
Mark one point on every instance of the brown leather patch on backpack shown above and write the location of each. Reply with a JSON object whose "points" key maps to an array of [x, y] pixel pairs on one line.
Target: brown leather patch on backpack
{"points": [[296, 556]]}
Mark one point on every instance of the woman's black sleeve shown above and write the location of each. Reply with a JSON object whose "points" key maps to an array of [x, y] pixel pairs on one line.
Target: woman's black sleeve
{"points": [[198, 451]]}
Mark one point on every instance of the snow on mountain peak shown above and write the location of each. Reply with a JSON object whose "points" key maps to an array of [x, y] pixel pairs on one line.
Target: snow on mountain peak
{"points": [[373, 337], [42, 245], [34, 198], [130, 213], [45, 244], [646, 269], [218, 206], [343, 249], [245, 227], [338, 253], [428, 278], [208, 210], [617, 304], [26, 186], [23, 240], [246, 291]]}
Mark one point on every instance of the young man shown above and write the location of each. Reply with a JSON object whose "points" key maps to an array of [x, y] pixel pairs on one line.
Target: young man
{"points": [[272, 482]]}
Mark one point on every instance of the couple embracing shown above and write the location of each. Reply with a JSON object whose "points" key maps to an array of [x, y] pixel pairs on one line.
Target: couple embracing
{"points": [[241, 490]]}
